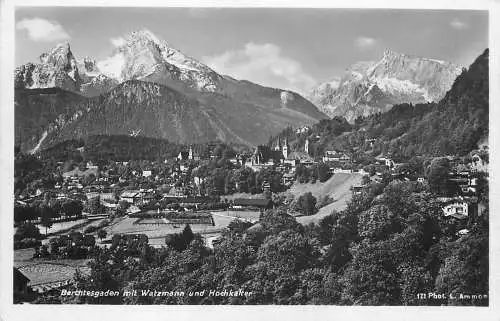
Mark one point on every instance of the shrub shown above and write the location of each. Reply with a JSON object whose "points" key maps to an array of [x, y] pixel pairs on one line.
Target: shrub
{"points": [[324, 200], [90, 229], [27, 243], [27, 230], [103, 223]]}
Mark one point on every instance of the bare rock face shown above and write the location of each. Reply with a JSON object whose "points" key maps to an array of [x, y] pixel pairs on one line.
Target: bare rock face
{"points": [[57, 68], [286, 96], [370, 87]]}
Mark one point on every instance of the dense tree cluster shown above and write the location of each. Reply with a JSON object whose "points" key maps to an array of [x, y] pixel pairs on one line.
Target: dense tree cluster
{"points": [[306, 204], [391, 243], [311, 174], [180, 241], [71, 246], [48, 210]]}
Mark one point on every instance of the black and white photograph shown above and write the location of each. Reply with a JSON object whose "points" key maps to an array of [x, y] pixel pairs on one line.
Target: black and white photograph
{"points": [[258, 155]]}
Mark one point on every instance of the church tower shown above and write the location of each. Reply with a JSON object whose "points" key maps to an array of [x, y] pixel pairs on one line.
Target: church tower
{"points": [[306, 146], [285, 149], [278, 145]]}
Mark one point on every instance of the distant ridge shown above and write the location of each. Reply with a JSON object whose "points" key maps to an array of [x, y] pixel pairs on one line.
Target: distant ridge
{"points": [[371, 87]]}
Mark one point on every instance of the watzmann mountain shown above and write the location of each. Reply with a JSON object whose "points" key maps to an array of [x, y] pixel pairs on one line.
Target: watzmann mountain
{"points": [[149, 88], [371, 87]]}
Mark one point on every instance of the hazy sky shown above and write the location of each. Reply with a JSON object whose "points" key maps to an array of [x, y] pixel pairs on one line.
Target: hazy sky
{"points": [[287, 48]]}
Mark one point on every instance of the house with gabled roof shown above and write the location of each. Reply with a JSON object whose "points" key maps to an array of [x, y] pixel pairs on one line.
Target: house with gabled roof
{"points": [[130, 196]]}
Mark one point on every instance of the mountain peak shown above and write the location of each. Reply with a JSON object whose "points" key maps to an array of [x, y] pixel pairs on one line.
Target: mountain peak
{"points": [[144, 56], [390, 54], [142, 36], [144, 33], [396, 78], [59, 54]]}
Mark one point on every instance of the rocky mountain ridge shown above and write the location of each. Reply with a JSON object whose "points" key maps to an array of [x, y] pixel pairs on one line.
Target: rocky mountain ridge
{"points": [[369, 87]]}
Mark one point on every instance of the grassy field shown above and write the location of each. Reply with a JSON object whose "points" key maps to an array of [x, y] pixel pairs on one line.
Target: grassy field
{"points": [[334, 187], [337, 187]]}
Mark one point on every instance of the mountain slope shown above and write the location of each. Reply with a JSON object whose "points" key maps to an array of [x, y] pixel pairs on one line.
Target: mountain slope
{"points": [[150, 110], [39, 111], [371, 87], [456, 125], [141, 55], [148, 87]]}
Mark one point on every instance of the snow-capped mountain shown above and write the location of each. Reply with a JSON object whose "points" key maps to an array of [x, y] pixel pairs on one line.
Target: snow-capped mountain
{"points": [[57, 68], [147, 86], [369, 87], [138, 56], [143, 56]]}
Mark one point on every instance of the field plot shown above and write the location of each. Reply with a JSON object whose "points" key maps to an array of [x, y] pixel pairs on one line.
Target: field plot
{"points": [[50, 272], [61, 226], [249, 216], [88, 224], [44, 273], [234, 196], [152, 221], [23, 256], [127, 226]]}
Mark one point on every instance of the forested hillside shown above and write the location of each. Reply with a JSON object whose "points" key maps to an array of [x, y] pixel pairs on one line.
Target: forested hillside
{"points": [[113, 147]]}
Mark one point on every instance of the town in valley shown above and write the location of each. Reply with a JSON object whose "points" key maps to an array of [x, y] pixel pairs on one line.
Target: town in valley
{"points": [[148, 174]]}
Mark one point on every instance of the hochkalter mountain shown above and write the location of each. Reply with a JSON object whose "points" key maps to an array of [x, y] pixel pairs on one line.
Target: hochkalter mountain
{"points": [[371, 87], [148, 87]]}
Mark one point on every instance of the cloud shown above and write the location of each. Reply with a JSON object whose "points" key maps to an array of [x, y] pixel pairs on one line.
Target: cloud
{"points": [[118, 41], [365, 42], [458, 24], [263, 64], [43, 30]]}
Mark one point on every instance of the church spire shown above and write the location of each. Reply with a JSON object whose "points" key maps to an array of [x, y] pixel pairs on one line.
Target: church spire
{"points": [[285, 149], [278, 144]]}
